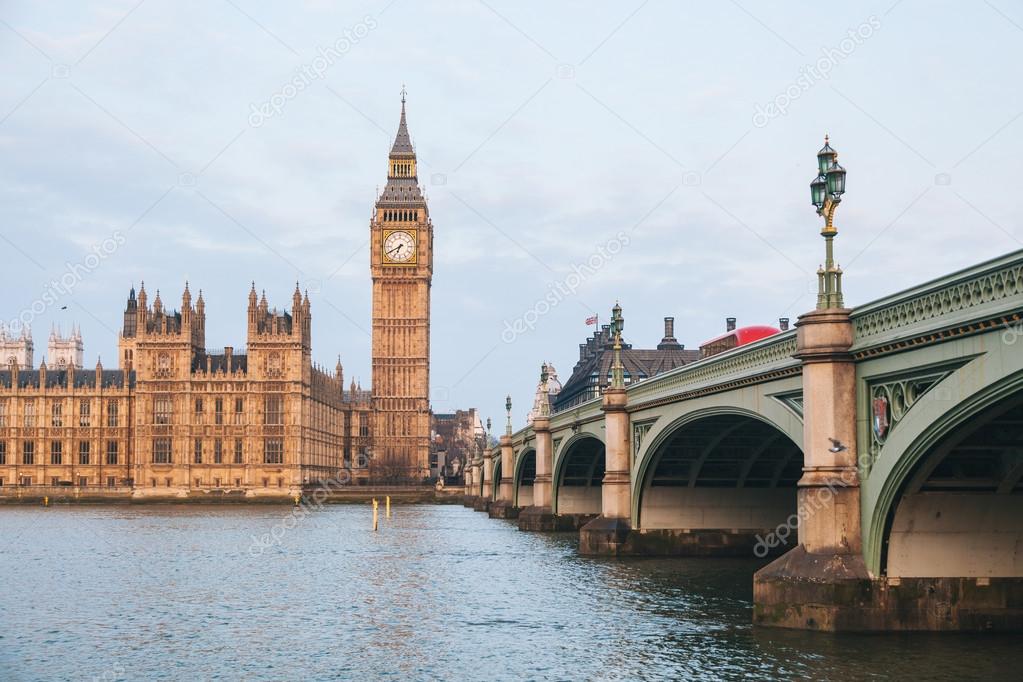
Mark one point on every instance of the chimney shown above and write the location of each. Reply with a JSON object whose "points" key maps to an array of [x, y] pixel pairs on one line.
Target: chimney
{"points": [[783, 324], [729, 324], [669, 341]]}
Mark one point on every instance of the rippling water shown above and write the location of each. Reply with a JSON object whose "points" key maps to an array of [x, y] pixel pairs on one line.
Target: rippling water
{"points": [[187, 592]]}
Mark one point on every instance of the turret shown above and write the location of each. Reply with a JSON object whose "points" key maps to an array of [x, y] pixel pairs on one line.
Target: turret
{"points": [[252, 308]]}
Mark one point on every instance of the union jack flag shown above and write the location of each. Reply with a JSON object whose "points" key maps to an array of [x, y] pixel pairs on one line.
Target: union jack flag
{"points": [[591, 320]]}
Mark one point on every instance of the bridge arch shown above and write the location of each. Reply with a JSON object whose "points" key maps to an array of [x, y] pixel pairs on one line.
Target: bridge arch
{"points": [[721, 468], [525, 473], [578, 476], [496, 487], [944, 497]]}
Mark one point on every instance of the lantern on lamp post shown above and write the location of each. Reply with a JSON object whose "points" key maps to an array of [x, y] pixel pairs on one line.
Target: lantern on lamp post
{"points": [[826, 192]]}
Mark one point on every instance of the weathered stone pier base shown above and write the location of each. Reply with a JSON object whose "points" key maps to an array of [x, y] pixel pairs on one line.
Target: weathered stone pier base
{"points": [[481, 504], [503, 510], [541, 519], [614, 537], [835, 594]]}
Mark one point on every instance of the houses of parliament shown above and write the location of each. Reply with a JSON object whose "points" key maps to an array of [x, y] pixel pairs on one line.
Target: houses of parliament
{"points": [[177, 419]]}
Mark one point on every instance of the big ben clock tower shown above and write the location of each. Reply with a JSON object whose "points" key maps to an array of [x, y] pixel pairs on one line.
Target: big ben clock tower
{"points": [[401, 263]]}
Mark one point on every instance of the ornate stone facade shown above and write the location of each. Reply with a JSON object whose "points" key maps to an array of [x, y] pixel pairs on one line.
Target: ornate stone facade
{"points": [[178, 419], [401, 263]]}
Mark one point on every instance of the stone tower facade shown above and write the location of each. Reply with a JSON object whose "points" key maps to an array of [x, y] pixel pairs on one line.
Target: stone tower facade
{"points": [[65, 352], [16, 348], [401, 264]]}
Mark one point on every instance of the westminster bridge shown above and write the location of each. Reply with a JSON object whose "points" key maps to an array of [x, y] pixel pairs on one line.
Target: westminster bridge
{"points": [[876, 452]]}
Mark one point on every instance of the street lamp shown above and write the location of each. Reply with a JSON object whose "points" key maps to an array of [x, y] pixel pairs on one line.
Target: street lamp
{"points": [[826, 192]]}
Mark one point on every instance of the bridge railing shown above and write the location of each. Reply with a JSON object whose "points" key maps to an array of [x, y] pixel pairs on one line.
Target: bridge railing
{"points": [[751, 361], [977, 294]]}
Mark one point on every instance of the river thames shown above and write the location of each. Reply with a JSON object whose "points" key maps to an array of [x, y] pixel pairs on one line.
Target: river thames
{"points": [[440, 592]]}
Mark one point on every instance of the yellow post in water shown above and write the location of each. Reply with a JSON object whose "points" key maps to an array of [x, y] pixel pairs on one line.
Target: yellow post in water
{"points": [[298, 498], [46, 500], [388, 506], [375, 513]]}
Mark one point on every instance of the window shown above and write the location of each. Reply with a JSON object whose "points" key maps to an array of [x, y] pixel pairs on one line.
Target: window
{"points": [[198, 450], [111, 481], [3, 452], [3, 413], [54, 481], [274, 413], [83, 452], [161, 451], [111, 452], [57, 414], [273, 451], [30, 413], [56, 452], [237, 483], [28, 452], [216, 482], [239, 409], [238, 454], [218, 411], [112, 413], [218, 452], [198, 410], [162, 411], [85, 413], [26, 480], [83, 481], [363, 424]]}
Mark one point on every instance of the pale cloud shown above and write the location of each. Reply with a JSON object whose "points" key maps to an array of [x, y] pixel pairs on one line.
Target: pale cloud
{"points": [[558, 160]]}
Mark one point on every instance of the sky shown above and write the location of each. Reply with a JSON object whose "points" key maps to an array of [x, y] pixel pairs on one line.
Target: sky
{"points": [[574, 154]]}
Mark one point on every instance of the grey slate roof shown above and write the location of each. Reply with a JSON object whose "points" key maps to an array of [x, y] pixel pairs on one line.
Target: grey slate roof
{"points": [[597, 356], [402, 142], [29, 378], [218, 362]]}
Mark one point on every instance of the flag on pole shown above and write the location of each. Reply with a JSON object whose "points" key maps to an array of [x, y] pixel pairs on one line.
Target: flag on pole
{"points": [[591, 320]]}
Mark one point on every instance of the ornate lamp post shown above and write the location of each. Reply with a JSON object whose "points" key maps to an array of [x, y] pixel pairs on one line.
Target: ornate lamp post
{"points": [[826, 192], [507, 409]]}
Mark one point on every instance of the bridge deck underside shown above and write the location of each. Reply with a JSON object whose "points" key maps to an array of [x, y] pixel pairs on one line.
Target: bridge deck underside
{"points": [[579, 489], [726, 472], [961, 513]]}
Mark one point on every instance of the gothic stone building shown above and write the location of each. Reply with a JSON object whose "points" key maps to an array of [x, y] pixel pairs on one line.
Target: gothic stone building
{"points": [[177, 419]]}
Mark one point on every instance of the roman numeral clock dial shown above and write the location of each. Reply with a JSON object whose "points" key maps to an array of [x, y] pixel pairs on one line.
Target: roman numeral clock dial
{"points": [[399, 247]]}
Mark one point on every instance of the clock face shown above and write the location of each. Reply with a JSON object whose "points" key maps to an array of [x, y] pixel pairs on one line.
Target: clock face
{"points": [[399, 247]]}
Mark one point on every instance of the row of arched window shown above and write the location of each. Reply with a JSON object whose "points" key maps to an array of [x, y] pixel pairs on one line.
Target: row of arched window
{"points": [[401, 215], [403, 170]]}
